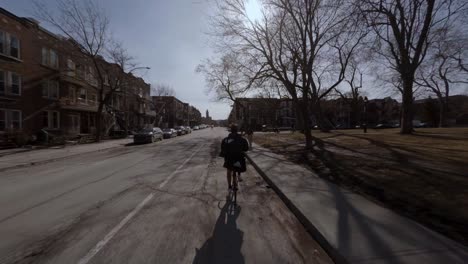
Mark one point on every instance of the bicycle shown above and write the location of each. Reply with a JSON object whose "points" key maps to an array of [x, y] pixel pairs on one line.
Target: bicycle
{"points": [[235, 186]]}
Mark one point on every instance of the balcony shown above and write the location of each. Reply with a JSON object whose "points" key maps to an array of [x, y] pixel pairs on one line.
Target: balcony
{"points": [[70, 77], [79, 78], [78, 104]]}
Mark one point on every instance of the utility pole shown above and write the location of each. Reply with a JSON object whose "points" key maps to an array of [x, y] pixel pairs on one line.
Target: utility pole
{"points": [[365, 114]]}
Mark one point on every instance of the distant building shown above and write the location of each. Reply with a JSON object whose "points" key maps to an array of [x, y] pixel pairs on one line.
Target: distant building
{"points": [[256, 112], [194, 116], [172, 112], [427, 111]]}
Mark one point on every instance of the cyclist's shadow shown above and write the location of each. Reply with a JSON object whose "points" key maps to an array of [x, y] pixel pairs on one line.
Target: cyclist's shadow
{"points": [[224, 246]]}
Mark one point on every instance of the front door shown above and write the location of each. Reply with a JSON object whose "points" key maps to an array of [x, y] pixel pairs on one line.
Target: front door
{"points": [[74, 124]]}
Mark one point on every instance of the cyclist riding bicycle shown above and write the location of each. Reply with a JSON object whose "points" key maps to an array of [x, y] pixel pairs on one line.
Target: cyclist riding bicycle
{"points": [[232, 149]]}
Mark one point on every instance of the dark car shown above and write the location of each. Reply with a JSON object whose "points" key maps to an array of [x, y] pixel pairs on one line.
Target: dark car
{"points": [[169, 133], [188, 130], [180, 130], [148, 135]]}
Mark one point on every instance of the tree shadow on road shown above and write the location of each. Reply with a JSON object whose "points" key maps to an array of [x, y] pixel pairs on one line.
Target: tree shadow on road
{"points": [[224, 246]]}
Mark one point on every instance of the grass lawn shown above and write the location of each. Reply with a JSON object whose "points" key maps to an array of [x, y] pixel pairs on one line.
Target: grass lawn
{"points": [[423, 176]]}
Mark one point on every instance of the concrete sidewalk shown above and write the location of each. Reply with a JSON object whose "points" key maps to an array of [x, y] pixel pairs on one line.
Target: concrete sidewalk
{"points": [[38, 156], [351, 228]]}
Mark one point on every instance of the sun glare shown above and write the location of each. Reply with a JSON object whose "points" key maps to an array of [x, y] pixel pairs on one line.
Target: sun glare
{"points": [[253, 9]]}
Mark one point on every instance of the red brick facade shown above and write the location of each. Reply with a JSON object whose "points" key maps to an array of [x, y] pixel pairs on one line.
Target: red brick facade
{"points": [[46, 84]]}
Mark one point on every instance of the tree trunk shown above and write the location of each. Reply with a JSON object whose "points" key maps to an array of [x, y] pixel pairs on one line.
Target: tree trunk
{"points": [[99, 122], [407, 107]]}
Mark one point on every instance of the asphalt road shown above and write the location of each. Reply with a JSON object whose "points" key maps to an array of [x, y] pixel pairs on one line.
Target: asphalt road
{"points": [[157, 203]]}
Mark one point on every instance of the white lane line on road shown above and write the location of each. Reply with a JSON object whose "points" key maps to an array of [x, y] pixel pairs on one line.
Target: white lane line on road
{"points": [[101, 244], [179, 168], [114, 231]]}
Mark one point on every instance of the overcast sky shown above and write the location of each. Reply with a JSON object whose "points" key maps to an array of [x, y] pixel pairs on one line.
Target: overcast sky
{"points": [[166, 35]]}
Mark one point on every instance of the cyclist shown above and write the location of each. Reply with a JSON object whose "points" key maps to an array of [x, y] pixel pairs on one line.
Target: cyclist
{"points": [[232, 149]]}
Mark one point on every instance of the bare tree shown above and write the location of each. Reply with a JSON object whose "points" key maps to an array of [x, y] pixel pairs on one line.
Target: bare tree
{"points": [[85, 24], [157, 103], [224, 77], [405, 30], [303, 44], [162, 90], [228, 79], [440, 72], [353, 97]]}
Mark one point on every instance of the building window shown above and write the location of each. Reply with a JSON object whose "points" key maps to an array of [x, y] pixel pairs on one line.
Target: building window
{"points": [[10, 83], [49, 57], [51, 119], [14, 47], [82, 95], [9, 45], [2, 42], [45, 56], [10, 119], [72, 94], [92, 99], [71, 67], [15, 119], [50, 89], [15, 84]]}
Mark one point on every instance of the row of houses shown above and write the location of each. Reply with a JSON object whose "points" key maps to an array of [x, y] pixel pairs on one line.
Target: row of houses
{"points": [[172, 112], [341, 113], [47, 85]]}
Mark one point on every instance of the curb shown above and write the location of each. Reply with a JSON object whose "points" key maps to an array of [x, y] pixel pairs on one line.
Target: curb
{"points": [[310, 228], [41, 162]]}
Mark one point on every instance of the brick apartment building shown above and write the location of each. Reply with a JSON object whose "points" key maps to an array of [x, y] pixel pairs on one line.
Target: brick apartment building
{"points": [[173, 112], [46, 84], [195, 116], [274, 112], [255, 112]]}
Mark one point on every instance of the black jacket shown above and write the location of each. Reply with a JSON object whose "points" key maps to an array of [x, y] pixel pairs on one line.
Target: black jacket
{"points": [[234, 146]]}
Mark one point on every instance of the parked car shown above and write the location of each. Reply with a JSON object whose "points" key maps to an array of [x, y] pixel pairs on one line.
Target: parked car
{"points": [[169, 133], [179, 131], [196, 128], [381, 126], [188, 129], [148, 135], [421, 125]]}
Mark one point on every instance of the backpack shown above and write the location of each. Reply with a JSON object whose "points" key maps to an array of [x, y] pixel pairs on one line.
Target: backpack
{"points": [[234, 146]]}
